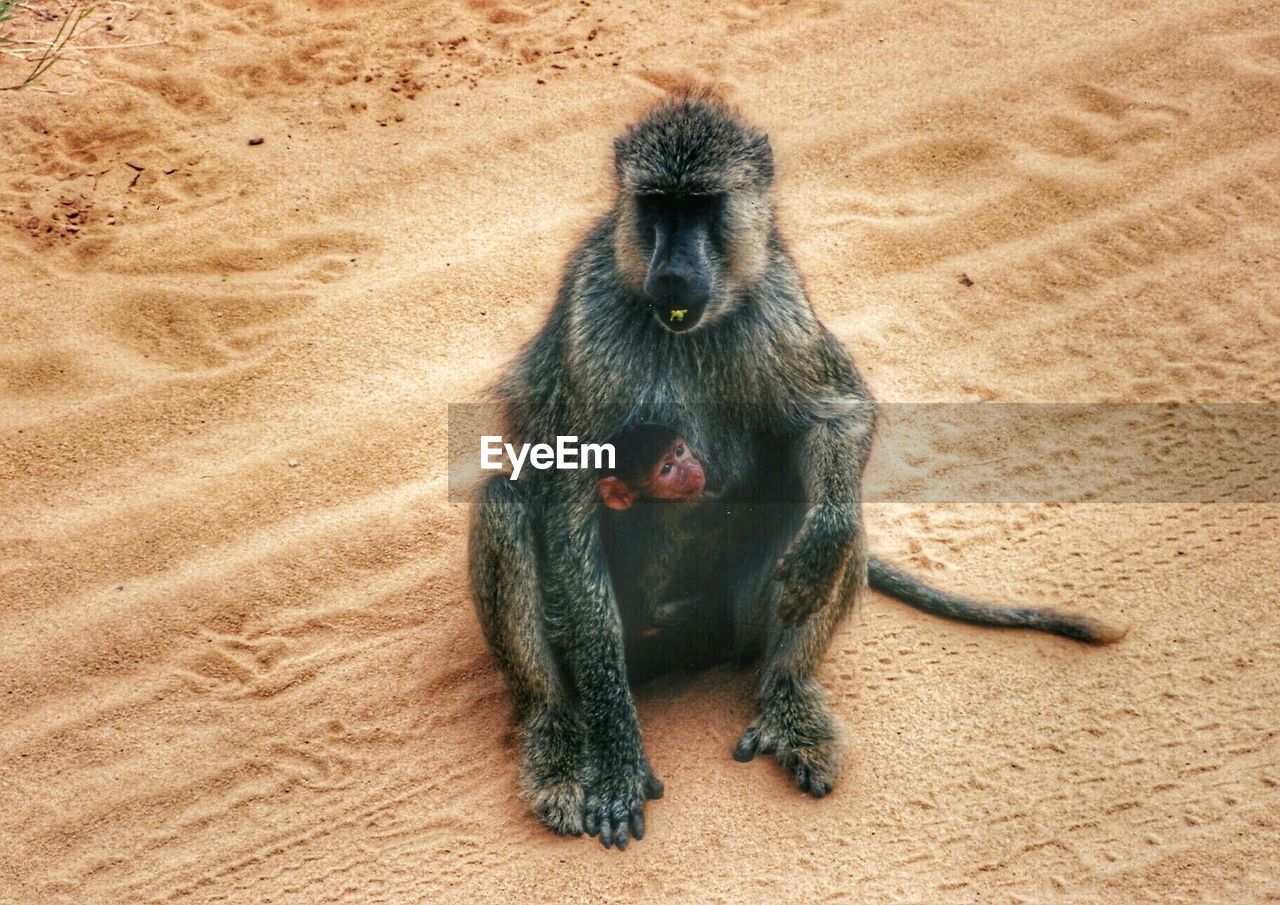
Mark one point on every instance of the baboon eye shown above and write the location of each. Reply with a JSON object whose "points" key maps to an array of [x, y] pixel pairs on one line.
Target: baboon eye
{"points": [[655, 205], [679, 449], [666, 468], [649, 205]]}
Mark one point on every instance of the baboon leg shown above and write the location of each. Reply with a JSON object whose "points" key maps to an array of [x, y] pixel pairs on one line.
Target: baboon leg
{"points": [[505, 578], [793, 722]]}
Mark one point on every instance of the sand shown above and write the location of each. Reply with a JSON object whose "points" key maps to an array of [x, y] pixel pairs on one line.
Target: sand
{"points": [[238, 657]]}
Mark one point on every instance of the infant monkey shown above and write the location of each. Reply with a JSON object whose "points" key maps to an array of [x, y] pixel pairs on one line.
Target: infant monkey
{"points": [[652, 494], [651, 462]]}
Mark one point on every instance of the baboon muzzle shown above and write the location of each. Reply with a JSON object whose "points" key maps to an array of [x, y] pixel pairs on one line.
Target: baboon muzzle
{"points": [[677, 286]]}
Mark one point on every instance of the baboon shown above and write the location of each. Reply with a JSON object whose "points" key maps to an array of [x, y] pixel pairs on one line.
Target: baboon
{"points": [[682, 307], [652, 463], [655, 529]]}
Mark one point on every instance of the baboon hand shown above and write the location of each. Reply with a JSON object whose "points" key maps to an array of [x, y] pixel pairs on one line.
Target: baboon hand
{"points": [[615, 803]]}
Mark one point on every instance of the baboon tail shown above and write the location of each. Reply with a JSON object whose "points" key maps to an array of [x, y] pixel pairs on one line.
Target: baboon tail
{"points": [[890, 580]]}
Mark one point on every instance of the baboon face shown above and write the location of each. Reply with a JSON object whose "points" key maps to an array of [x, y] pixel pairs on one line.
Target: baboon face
{"points": [[680, 233], [675, 474], [693, 213]]}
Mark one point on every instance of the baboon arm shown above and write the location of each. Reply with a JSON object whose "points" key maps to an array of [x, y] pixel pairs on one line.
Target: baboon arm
{"points": [[828, 555], [584, 613], [616, 774]]}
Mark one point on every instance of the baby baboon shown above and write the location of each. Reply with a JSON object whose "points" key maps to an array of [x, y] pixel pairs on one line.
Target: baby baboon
{"points": [[652, 519], [681, 306], [651, 463]]}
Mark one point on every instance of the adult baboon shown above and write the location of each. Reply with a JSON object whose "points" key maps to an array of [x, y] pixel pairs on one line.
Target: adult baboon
{"points": [[681, 307]]}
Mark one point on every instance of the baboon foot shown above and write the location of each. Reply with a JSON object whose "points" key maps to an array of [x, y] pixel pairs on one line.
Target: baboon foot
{"points": [[801, 738]]}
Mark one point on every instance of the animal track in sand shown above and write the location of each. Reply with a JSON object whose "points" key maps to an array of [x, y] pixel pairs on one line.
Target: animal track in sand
{"points": [[235, 667], [284, 254], [911, 182], [194, 331], [1256, 54], [1104, 123]]}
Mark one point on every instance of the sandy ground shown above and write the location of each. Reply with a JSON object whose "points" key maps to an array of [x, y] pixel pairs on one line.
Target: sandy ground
{"points": [[231, 678]]}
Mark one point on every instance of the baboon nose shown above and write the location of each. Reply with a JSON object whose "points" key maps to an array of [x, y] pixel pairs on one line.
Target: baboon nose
{"points": [[674, 290], [669, 287]]}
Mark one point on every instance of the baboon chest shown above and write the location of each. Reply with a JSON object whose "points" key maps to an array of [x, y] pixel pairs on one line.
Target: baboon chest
{"points": [[720, 410]]}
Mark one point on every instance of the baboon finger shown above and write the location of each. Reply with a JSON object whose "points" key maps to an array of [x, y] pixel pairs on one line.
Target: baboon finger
{"points": [[818, 787], [591, 823], [813, 777], [747, 746], [801, 776], [606, 832], [810, 781], [637, 822], [653, 788]]}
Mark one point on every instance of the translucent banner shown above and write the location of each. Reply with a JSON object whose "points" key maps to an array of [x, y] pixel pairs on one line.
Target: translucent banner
{"points": [[987, 452]]}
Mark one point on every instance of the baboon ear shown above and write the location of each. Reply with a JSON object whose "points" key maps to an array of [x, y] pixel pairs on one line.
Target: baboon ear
{"points": [[762, 156], [615, 493]]}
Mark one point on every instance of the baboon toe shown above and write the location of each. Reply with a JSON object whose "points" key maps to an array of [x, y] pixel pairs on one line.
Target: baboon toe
{"points": [[813, 769], [758, 739], [615, 824]]}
